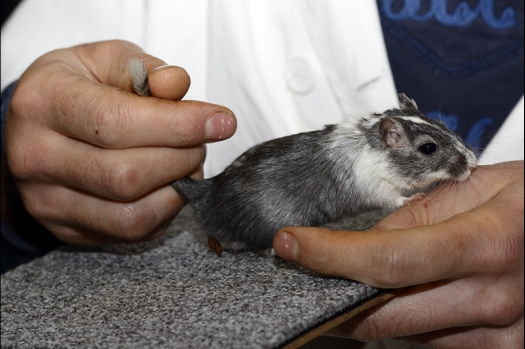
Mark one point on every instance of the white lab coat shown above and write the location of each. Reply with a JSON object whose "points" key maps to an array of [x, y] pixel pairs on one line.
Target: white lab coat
{"points": [[282, 66]]}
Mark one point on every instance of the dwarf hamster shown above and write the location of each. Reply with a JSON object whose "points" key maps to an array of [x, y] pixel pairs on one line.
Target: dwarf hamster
{"points": [[312, 178]]}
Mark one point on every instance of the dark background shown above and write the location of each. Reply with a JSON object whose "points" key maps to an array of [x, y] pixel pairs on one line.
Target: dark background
{"points": [[7, 7]]}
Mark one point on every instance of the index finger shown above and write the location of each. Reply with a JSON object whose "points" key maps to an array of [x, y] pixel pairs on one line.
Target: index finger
{"points": [[115, 119], [450, 199], [92, 99]]}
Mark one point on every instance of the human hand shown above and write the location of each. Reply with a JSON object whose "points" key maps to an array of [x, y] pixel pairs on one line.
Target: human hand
{"points": [[92, 160], [461, 250]]}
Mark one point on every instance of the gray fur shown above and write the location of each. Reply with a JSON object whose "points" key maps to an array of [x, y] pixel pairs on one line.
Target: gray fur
{"points": [[139, 76], [312, 178]]}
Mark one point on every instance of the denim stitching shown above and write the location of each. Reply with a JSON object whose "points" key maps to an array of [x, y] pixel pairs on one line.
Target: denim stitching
{"points": [[454, 71]]}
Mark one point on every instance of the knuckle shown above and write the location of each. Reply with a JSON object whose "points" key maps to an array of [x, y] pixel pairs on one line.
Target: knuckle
{"points": [[103, 118], [512, 246], [109, 122], [319, 254], [23, 161], [22, 98], [131, 222], [496, 253], [35, 208], [408, 216], [187, 123], [391, 266], [17, 159], [38, 206], [65, 234], [417, 214], [25, 153], [513, 335], [122, 180], [369, 330], [500, 308]]}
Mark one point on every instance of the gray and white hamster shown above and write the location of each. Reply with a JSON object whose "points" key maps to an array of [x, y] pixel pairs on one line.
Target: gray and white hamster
{"points": [[312, 178]]}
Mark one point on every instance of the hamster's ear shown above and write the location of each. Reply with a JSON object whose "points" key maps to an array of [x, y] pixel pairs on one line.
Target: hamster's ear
{"points": [[393, 133], [406, 103]]}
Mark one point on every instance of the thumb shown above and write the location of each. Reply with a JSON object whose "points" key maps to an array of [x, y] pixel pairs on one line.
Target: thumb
{"points": [[109, 60], [166, 81]]}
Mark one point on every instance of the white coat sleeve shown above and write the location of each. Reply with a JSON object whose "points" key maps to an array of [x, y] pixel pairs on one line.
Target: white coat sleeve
{"points": [[508, 143]]}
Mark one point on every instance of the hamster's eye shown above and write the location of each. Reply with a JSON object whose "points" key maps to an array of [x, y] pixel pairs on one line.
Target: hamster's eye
{"points": [[428, 148]]}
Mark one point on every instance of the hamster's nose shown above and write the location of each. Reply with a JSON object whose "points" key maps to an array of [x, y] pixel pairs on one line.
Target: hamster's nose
{"points": [[459, 167]]}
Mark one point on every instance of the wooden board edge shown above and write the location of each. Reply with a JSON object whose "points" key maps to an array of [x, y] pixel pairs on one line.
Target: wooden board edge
{"points": [[326, 326]]}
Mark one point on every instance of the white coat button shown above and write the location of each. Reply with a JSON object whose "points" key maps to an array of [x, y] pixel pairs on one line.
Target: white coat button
{"points": [[299, 75]]}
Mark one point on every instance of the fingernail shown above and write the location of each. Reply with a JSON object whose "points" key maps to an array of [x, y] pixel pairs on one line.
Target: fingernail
{"points": [[161, 67], [285, 246], [220, 126]]}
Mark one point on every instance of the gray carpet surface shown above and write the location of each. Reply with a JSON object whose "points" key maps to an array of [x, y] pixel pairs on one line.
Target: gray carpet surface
{"points": [[170, 293]]}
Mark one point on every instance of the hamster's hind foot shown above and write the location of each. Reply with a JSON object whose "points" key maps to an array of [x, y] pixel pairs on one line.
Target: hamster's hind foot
{"points": [[215, 246]]}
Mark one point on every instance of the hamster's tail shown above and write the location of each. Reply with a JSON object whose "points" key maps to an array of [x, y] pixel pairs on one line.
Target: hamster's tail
{"points": [[190, 189], [139, 76]]}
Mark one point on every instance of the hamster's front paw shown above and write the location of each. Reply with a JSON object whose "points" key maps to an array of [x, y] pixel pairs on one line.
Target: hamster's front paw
{"points": [[416, 196]]}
